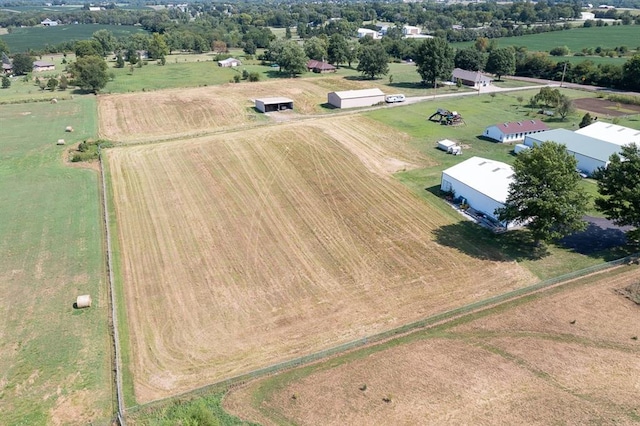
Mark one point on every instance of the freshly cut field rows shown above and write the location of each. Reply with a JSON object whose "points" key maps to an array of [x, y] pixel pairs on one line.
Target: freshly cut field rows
{"points": [[567, 358], [186, 112], [246, 249]]}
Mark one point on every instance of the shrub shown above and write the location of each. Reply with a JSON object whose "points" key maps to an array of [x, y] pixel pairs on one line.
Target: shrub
{"points": [[559, 51], [236, 78], [254, 76]]}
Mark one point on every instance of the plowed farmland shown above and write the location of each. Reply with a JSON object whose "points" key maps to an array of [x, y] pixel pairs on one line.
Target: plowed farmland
{"points": [[166, 114], [564, 358], [245, 249]]}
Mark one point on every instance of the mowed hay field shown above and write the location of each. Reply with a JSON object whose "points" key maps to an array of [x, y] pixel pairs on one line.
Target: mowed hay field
{"points": [[178, 113], [54, 360], [566, 357], [246, 249]]}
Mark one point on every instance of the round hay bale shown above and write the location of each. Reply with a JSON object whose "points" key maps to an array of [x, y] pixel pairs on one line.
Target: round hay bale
{"points": [[69, 129], [83, 301], [54, 101], [60, 142]]}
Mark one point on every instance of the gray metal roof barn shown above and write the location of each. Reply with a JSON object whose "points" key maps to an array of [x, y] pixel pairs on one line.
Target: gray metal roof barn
{"points": [[273, 104], [356, 98]]}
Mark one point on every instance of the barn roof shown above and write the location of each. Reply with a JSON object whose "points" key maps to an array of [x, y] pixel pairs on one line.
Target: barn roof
{"points": [[355, 94], [613, 133], [578, 143], [521, 126], [38, 64], [319, 65], [489, 177], [275, 100]]}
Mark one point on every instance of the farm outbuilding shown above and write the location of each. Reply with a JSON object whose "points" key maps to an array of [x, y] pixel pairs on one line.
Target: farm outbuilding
{"points": [[320, 67], [229, 62], [356, 98], [449, 146], [40, 66], [273, 104], [482, 183], [515, 131], [591, 153], [614, 133]]}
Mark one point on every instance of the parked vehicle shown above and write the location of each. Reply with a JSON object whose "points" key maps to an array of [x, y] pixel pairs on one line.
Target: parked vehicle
{"points": [[394, 98]]}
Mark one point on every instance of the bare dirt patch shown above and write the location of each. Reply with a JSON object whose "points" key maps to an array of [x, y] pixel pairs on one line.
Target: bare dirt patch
{"points": [[246, 249], [603, 107], [565, 358], [187, 112]]}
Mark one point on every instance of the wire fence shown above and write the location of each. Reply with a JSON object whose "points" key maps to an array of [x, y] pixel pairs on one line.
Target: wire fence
{"points": [[379, 337], [120, 417]]}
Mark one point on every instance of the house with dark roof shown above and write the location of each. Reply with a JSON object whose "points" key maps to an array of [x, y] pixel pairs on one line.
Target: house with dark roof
{"points": [[40, 66], [473, 79], [514, 131], [320, 67], [7, 66]]}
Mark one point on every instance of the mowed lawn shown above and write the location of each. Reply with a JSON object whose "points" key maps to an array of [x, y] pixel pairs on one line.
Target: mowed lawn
{"points": [[54, 359], [479, 112]]}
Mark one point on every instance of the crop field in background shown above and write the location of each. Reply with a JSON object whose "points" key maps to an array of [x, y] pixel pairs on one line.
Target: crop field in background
{"points": [[23, 39], [245, 249], [575, 39], [54, 359], [562, 357]]}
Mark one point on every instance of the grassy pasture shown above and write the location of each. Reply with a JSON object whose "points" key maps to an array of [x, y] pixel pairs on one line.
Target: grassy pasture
{"points": [[575, 39], [567, 356], [36, 38], [54, 359]]}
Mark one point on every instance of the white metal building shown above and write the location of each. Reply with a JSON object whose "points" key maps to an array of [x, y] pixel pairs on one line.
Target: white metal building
{"points": [[591, 153], [273, 104], [514, 131], [356, 98], [483, 183], [229, 62], [613, 133]]}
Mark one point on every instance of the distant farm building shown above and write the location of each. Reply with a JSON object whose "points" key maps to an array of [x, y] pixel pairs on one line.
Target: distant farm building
{"points": [[591, 153], [514, 131], [49, 23], [273, 104], [40, 66], [229, 62], [481, 184], [473, 79], [355, 98], [363, 32], [320, 67]]}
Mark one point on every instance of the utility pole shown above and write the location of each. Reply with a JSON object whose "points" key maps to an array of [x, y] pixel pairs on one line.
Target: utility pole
{"points": [[564, 70]]}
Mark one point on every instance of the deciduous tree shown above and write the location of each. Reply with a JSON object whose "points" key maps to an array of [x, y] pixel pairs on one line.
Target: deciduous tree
{"points": [[501, 62], [22, 64], [469, 59], [316, 48], [89, 73], [434, 59], [545, 193], [619, 189], [106, 39], [373, 60], [338, 50], [565, 107], [6, 82]]}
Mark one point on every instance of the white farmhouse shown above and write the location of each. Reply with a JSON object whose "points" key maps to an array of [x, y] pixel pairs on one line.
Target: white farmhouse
{"points": [[363, 32], [483, 183], [515, 131]]}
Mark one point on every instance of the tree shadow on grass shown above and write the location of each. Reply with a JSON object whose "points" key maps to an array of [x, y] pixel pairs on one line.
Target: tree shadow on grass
{"points": [[408, 85], [482, 243]]}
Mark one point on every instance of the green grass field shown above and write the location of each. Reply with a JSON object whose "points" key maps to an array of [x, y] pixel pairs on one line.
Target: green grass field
{"points": [[54, 359], [575, 39], [36, 38], [479, 112]]}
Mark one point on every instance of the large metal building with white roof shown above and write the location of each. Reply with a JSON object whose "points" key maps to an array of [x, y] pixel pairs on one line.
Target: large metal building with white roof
{"points": [[355, 98], [609, 132], [483, 183], [590, 152]]}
